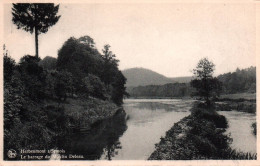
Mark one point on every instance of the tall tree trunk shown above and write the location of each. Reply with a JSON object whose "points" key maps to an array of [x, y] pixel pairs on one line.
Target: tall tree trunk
{"points": [[36, 42]]}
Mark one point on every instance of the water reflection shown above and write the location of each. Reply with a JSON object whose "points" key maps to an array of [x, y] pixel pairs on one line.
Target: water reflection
{"points": [[154, 106], [148, 120], [102, 138], [241, 131]]}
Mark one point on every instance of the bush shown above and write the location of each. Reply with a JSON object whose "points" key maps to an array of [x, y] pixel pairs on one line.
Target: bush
{"points": [[93, 86], [58, 84], [39, 128], [9, 66], [202, 111], [232, 154], [48, 63], [32, 77]]}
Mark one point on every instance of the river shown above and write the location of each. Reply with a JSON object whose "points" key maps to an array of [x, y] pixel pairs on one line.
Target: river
{"points": [[241, 130], [132, 135]]}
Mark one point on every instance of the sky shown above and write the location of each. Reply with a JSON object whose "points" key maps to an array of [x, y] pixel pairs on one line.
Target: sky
{"points": [[167, 38]]}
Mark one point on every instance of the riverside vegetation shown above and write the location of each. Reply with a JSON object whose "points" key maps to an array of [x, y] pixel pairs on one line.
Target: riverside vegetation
{"points": [[200, 135], [43, 100]]}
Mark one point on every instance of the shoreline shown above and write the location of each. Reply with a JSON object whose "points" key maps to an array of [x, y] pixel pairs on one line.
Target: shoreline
{"points": [[200, 135], [222, 104]]}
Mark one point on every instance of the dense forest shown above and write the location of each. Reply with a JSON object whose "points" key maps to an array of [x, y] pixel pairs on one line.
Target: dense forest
{"points": [[167, 90], [35, 90], [239, 81]]}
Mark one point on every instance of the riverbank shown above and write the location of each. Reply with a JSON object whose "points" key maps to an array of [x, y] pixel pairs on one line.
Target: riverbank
{"points": [[85, 112], [242, 102], [156, 97], [100, 141], [241, 106], [82, 112], [200, 135], [56, 120]]}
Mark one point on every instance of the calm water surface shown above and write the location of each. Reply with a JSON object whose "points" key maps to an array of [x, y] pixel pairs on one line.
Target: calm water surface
{"points": [[148, 120], [132, 135], [241, 130]]}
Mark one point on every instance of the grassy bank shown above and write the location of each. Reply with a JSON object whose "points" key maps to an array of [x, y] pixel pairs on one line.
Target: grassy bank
{"points": [[246, 96], [243, 102], [244, 106], [158, 97], [55, 121], [200, 135], [84, 112]]}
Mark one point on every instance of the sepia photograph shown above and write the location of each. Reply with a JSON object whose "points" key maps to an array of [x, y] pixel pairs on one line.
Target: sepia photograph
{"points": [[118, 81]]}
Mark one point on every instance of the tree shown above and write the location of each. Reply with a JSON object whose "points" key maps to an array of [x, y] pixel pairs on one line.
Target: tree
{"points": [[87, 40], [240, 81], [32, 77], [9, 67], [94, 87], [79, 57], [48, 63], [119, 89], [205, 84], [110, 65], [35, 17]]}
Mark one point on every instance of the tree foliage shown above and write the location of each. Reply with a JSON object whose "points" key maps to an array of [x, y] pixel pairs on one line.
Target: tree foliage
{"points": [[119, 89], [58, 85], [239, 81], [48, 63], [94, 74], [110, 65], [205, 84], [166, 90], [34, 90], [32, 77], [93, 86], [80, 58], [35, 17]]}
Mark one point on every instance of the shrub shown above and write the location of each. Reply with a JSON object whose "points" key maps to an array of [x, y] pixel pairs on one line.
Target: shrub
{"points": [[202, 111], [32, 77], [48, 63], [9, 66], [93, 86], [58, 84]]}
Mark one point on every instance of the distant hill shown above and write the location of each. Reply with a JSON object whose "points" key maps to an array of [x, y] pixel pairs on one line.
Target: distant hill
{"points": [[239, 81], [142, 77]]}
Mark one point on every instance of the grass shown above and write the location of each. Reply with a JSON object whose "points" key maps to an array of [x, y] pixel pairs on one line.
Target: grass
{"points": [[238, 155], [247, 96], [244, 102]]}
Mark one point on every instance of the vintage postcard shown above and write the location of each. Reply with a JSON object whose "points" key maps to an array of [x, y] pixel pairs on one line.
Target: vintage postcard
{"points": [[129, 82]]}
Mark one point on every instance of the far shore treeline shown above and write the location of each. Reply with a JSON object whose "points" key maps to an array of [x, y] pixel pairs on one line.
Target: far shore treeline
{"points": [[239, 81]]}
